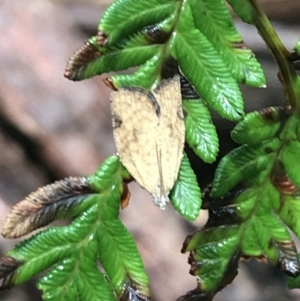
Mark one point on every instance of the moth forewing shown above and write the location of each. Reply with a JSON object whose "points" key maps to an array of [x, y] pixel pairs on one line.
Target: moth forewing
{"points": [[137, 115], [149, 134], [172, 129]]}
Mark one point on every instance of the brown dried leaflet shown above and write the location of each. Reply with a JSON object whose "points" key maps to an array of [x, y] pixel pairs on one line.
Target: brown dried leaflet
{"points": [[149, 134]]}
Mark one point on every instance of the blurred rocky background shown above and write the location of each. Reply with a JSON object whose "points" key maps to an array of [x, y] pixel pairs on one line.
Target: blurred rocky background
{"points": [[52, 128]]}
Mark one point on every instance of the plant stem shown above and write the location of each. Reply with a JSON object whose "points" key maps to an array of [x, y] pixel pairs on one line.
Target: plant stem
{"points": [[287, 72]]}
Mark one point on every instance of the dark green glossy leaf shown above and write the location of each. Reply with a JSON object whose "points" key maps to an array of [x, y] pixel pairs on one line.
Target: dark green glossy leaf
{"points": [[200, 132], [120, 257], [186, 195], [291, 160], [289, 212], [291, 130], [243, 9], [77, 280], [213, 251], [242, 222], [51, 246], [259, 126], [242, 164], [209, 75], [214, 20], [266, 226], [117, 60], [144, 77], [126, 17], [110, 170]]}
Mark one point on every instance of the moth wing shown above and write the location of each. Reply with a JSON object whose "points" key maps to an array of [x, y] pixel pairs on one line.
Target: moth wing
{"points": [[172, 130], [136, 125]]}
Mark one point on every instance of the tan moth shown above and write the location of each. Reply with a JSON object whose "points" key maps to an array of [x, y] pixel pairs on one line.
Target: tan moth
{"points": [[149, 133]]}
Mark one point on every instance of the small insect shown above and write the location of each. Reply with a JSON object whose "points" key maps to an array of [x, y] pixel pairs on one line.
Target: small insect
{"points": [[149, 134]]}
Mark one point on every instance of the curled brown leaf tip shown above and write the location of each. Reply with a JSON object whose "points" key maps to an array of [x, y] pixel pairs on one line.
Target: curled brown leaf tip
{"points": [[8, 268], [86, 54], [109, 83], [101, 38], [282, 182], [285, 185], [156, 35], [259, 258], [42, 206], [214, 203], [288, 258], [240, 45], [195, 267], [276, 113], [125, 197], [231, 271], [187, 90]]}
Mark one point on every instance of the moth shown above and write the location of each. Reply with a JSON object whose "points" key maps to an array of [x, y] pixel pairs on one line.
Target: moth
{"points": [[149, 134]]}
